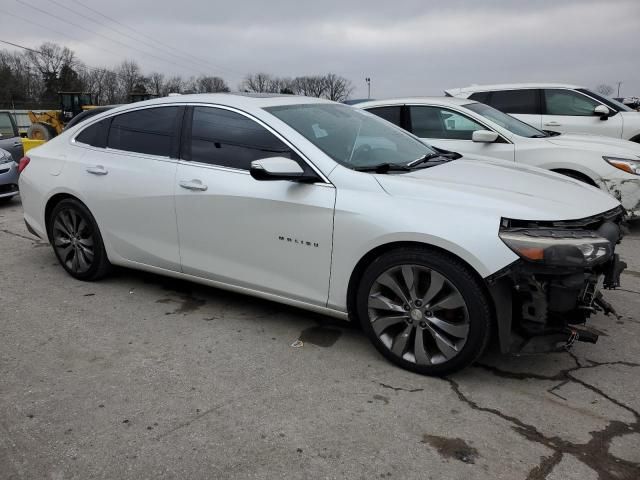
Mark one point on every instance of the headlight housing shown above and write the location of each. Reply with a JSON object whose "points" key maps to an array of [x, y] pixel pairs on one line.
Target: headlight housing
{"points": [[626, 164], [556, 247]]}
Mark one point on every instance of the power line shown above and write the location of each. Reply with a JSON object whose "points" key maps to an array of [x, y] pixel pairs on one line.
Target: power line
{"points": [[123, 34], [38, 52], [49, 29], [154, 39], [97, 33]]}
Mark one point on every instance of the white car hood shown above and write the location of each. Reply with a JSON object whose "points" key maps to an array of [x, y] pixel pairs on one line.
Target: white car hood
{"points": [[509, 190], [605, 145]]}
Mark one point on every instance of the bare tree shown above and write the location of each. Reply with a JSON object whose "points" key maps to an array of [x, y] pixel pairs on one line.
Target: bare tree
{"points": [[258, 83], [155, 83], [49, 60], [604, 89], [174, 84], [207, 84], [310, 86], [337, 88], [129, 77]]}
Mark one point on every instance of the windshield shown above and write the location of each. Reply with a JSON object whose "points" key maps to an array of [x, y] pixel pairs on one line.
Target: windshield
{"points": [[609, 102], [354, 138], [506, 121]]}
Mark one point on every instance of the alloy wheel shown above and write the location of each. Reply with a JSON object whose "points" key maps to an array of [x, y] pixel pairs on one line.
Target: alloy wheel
{"points": [[73, 240], [418, 314]]}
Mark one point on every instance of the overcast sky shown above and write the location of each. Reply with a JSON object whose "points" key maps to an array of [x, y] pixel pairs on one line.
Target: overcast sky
{"points": [[407, 47]]}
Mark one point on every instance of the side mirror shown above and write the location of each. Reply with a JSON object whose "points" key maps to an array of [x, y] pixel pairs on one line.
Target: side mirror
{"points": [[484, 136], [279, 168], [603, 111]]}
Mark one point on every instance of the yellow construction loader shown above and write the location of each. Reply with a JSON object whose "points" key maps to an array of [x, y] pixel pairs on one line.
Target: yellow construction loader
{"points": [[46, 125]]}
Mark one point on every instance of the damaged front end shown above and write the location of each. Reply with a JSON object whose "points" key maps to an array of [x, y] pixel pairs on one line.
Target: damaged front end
{"points": [[544, 299]]}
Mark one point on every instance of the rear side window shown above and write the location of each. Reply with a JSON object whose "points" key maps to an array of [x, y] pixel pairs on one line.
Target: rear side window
{"points": [[96, 134], [229, 139], [568, 102], [151, 131], [515, 101], [390, 114]]}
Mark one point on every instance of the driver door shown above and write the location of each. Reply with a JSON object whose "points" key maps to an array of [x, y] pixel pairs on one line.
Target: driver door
{"points": [[270, 236], [568, 111]]}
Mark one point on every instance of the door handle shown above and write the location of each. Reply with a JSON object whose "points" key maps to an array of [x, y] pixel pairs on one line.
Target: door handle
{"points": [[97, 170], [193, 185], [552, 124]]}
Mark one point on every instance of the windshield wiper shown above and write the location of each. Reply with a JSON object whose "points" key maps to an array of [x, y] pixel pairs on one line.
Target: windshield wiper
{"points": [[383, 168], [434, 158]]}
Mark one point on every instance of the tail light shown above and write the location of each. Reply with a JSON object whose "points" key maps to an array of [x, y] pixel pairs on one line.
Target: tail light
{"points": [[24, 161]]}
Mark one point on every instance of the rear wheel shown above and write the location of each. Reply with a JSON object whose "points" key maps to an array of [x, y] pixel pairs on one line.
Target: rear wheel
{"points": [[424, 310], [76, 241]]}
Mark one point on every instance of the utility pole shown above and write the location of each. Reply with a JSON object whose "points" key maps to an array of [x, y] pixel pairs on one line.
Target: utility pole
{"points": [[619, 83], [368, 80]]}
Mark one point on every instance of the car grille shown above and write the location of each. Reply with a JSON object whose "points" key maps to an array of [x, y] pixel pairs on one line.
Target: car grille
{"points": [[8, 188], [589, 223], [4, 170]]}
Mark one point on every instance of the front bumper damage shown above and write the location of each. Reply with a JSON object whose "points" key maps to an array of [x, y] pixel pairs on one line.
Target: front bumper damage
{"points": [[541, 308], [627, 192]]}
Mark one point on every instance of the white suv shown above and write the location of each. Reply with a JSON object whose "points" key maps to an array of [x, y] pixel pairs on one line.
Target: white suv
{"points": [[558, 107], [331, 209]]}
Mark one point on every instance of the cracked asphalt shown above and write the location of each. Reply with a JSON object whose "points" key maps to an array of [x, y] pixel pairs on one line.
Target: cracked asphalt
{"points": [[139, 376]]}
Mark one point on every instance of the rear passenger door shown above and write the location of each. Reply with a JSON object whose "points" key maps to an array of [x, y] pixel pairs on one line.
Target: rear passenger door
{"points": [[524, 104], [452, 130], [270, 236], [127, 176]]}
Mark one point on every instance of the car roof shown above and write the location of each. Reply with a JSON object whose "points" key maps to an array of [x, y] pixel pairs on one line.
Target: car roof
{"points": [[444, 101], [507, 86], [239, 100]]}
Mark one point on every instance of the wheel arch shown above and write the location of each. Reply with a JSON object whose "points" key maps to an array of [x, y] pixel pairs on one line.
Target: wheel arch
{"points": [[52, 202], [569, 172], [379, 250]]}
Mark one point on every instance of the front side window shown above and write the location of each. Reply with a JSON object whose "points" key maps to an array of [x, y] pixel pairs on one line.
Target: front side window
{"points": [[229, 139], [436, 122], [568, 102], [151, 131], [505, 121], [515, 101], [391, 114], [6, 126], [352, 137]]}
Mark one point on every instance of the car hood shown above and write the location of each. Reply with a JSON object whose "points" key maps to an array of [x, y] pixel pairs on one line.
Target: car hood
{"points": [[605, 145], [508, 190]]}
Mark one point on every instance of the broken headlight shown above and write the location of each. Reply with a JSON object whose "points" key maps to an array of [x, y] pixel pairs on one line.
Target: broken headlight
{"points": [[555, 247], [626, 164]]}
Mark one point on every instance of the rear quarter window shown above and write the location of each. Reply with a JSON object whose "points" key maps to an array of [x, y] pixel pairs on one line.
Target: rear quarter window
{"points": [[95, 135]]}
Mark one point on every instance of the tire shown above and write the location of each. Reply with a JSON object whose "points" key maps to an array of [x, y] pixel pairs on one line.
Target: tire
{"points": [[76, 241], [448, 314], [41, 131]]}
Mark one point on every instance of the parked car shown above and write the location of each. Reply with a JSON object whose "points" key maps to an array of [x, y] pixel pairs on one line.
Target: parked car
{"points": [[331, 209], [9, 137], [469, 127], [8, 177], [558, 107]]}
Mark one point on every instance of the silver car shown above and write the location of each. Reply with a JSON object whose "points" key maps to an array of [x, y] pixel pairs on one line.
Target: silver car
{"points": [[8, 177]]}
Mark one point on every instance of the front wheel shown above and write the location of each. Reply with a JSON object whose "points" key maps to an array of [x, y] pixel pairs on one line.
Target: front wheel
{"points": [[76, 241], [424, 310]]}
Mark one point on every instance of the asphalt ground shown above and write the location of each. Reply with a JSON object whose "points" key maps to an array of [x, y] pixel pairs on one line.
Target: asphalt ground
{"points": [[139, 376]]}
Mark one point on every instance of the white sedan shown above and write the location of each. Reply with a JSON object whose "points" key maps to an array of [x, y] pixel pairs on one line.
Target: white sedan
{"points": [[331, 209], [469, 127]]}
